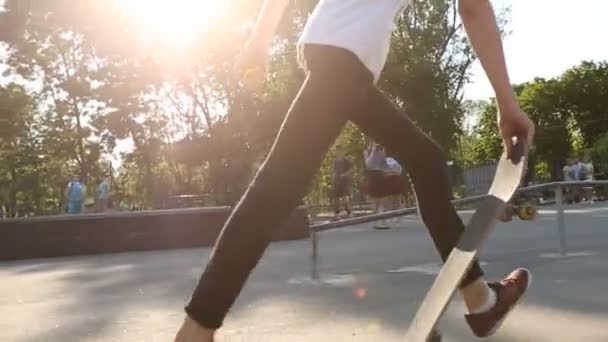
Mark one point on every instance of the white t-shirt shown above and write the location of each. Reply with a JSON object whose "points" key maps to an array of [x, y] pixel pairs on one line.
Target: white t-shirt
{"points": [[375, 160], [567, 173], [589, 170], [576, 170], [393, 164], [393, 167], [363, 27]]}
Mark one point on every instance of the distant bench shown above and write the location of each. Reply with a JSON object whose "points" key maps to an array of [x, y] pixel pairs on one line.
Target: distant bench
{"points": [[55, 236]]}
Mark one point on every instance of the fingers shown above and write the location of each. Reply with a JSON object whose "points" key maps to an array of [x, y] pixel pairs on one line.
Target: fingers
{"points": [[508, 146]]}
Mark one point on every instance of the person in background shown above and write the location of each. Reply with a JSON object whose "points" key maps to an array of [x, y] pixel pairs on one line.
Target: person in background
{"points": [[341, 182], [589, 177], [568, 177], [578, 173], [375, 178], [395, 182], [566, 171], [75, 195], [578, 170], [102, 195]]}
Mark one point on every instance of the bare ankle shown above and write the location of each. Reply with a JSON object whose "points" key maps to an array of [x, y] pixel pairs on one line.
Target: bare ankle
{"points": [[477, 295], [192, 331]]}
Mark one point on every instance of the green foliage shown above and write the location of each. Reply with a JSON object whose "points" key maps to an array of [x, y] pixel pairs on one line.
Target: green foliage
{"points": [[427, 68], [598, 153], [483, 143], [28, 172], [191, 128], [585, 93], [194, 131], [569, 112]]}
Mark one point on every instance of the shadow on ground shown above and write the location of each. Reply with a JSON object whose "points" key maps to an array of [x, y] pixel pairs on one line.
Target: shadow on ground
{"points": [[138, 296]]}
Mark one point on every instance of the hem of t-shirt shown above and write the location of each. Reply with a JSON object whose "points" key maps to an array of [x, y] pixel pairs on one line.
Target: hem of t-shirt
{"points": [[301, 44]]}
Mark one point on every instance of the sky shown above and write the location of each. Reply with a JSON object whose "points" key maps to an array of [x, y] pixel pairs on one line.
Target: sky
{"points": [[547, 37]]}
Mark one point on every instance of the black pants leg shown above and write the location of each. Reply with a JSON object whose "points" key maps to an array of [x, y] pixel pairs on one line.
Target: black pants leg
{"points": [[312, 124], [426, 164], [338, 87]]}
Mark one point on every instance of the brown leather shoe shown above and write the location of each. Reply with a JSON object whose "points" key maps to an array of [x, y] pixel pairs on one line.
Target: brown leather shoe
{"points": [[509, 292]]}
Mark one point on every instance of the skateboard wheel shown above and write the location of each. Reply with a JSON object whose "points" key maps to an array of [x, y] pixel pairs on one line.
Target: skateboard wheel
{"points": [[527, 212]]}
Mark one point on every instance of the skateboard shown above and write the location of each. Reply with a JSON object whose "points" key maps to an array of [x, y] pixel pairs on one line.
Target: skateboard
{"points": [[507, 179]]}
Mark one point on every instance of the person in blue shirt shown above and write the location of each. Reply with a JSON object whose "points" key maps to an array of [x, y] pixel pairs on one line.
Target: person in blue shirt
{"points": [[103, 195], [75, 195]]}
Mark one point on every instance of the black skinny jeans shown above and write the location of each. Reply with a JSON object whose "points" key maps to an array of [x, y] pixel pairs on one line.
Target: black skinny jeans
{"points": [[338, 87]]}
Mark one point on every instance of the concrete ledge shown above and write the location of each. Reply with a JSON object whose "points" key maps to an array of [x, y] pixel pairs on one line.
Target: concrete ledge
{"points": [[43, 237]]}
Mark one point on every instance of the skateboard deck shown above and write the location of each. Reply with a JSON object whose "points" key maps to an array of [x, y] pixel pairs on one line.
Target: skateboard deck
{"points": [[509, 173]]}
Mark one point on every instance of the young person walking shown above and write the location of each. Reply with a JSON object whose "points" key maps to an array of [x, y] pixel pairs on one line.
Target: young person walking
{"points": [[342, 50]]}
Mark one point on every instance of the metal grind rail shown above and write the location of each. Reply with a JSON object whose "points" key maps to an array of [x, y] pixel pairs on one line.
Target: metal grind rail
{"points": [[559, 199]]}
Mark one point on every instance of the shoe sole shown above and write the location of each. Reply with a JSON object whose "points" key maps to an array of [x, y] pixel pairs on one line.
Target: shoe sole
{"points": [[521, 298]]}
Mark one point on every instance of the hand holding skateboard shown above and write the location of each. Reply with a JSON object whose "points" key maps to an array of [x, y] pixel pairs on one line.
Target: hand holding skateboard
{"points": [[514, 123]]}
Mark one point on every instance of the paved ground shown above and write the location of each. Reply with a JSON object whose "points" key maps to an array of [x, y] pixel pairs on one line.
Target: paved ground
{"points": [[372, 283]]}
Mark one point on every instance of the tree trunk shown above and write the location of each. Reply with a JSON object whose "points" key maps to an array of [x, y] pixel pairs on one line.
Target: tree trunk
{"points": [[12, 196]]}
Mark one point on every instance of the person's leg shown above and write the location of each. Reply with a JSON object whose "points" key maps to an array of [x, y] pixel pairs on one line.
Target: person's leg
{"points": [[589, 196], [339, 206], [379, 205], [426, 164], [377, 190], [382, 206], [347, 205], [75, 207], [336, 203], [346, 190], [338, 195], [487, 303], [428, 170], [395, 205], [312, 124]]}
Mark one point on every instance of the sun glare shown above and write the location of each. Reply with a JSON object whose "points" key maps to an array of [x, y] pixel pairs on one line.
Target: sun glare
{"points": [[174, 24]]}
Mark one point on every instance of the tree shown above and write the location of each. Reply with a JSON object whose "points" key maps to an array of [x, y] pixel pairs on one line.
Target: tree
{"points": [[485, 141], [542, 100], [585, 95], [193, 130], [599, 155], [66, 68], [429, 66], [20, 151]]}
